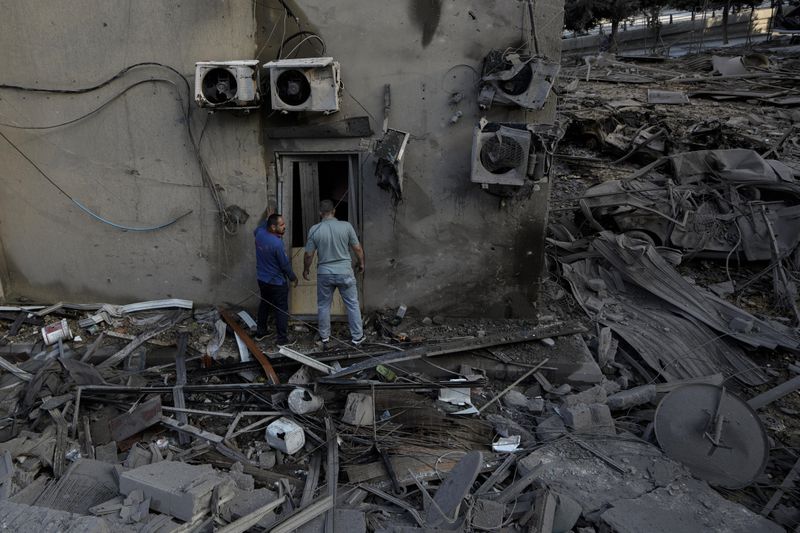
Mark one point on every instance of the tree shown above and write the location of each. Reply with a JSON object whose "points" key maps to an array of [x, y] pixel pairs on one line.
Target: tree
{"points": [[580, 15], [615, 11]]}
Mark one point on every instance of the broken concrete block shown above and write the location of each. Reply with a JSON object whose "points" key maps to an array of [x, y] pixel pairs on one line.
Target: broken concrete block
{"points": [[529, 464], [550, 428], [573, 362], [606, 347], [137, 457], [741, 324], [594, 418], [567, 512], [562, 390], [135, 507], [285, 435], [533, 391], [536, 405], [107, 452], [488, 514], [266, 460], [243, 481], [596, 394], [611, 387], [595, 284], [359, 410], [632, 397], [508, 428], [302, 402], [594, 304], [245, 502], [301, 377], [174, 488], [515, 400]]}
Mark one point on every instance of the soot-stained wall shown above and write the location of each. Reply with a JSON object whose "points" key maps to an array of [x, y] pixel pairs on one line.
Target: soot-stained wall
{"points": [[448, 246]]}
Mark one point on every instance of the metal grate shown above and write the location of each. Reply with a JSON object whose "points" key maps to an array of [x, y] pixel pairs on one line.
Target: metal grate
{"points": [[501, 154]]}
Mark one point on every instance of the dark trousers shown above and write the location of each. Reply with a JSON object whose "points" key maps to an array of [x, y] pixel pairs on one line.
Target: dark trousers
{"points": [[274, 299]]}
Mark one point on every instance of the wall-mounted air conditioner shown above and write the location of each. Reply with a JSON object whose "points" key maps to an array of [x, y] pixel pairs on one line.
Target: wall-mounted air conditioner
{"points": [[500, 154], [308, 84], [516, 80], [227, 84]]}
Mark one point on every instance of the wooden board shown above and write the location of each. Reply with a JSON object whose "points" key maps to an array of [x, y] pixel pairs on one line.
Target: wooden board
{"points": [[303, 298]]}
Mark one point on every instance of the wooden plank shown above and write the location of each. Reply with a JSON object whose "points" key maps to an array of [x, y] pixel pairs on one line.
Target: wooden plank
{"points": [[128, 424], [309, 193], [306, 360], [303, 298], [191, 430], [766, 398], [251, 345], [522, 335]]}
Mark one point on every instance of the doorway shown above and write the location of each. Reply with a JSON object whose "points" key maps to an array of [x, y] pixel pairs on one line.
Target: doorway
{"points": [[304, 181]]}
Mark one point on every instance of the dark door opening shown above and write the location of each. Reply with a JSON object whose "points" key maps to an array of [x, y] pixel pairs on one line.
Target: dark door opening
{"points": [[313, 181]]}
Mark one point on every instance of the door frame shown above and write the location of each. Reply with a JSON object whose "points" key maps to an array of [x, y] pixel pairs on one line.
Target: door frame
{"points": [[284, 164]]}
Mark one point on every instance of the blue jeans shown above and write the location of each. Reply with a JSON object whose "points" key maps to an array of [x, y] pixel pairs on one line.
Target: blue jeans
{"points": [[346, 283]]}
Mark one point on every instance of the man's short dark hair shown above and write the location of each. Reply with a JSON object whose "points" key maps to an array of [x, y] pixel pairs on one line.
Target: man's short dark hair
{"points": [[272, 220], [326, 206]]}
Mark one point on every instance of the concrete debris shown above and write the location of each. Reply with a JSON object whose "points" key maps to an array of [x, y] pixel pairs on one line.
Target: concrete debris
{"points": [[632, 397], [359, 410], [242, 462], [592, 418], [174, 488]]}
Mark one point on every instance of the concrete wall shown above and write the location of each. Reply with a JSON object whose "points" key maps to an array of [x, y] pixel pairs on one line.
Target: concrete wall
{"points": [[131, 162], [447, 247]]}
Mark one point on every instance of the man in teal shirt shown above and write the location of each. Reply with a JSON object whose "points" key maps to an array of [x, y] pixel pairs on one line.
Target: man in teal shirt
{"points": [[332, 241]]}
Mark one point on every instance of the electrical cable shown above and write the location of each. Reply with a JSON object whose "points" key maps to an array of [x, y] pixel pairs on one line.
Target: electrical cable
{"points": [[533, 28], [359, 103], [83, 207], [310, 34], [269, 37], [283, 33], [99, 85], [92, 112], [204, 171]]}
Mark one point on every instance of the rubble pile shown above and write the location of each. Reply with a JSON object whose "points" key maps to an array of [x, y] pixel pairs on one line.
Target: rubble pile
{"points": [[159, 416], [673, 225]]}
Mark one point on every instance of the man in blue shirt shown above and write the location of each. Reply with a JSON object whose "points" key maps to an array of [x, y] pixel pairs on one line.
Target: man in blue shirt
{"points": [[274, 269], [331, 240]]}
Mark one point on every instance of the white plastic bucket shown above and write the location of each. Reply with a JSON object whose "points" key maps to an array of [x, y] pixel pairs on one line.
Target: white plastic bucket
{"points": [[51, 333]]}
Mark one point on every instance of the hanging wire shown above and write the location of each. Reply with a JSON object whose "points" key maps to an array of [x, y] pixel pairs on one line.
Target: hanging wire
{"points": [[83, 207]]}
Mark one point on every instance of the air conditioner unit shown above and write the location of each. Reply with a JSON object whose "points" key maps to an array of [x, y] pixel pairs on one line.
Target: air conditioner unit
{"points": [[500, 154], [227, 84], [308, 84], [516, 80]]}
